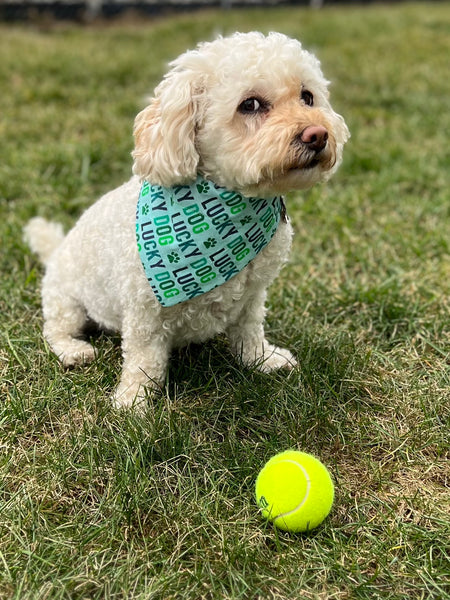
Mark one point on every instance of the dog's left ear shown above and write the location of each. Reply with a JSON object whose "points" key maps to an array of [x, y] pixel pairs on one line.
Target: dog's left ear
{"points": [[164, 132]]}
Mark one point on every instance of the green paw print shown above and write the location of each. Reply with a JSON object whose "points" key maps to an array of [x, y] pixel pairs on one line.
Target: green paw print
{"points": [[202, 187], [145, 209], [173, 257], [210, 243], [246, 220]]}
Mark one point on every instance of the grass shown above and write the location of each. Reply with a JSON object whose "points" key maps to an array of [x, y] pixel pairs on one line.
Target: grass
{"points": [[100, 505]]}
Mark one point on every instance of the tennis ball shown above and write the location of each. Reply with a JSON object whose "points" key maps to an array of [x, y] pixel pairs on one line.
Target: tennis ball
{"points": [[294, 491]]}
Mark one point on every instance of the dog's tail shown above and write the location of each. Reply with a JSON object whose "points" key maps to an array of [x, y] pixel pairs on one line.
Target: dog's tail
{"points": [[43, 237]]}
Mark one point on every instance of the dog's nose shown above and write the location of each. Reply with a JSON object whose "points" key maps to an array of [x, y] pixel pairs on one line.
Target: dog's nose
{"points": [[315, 137]]}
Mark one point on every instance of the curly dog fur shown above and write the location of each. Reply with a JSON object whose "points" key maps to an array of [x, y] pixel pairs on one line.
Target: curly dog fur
{"points": [[248, 112]]}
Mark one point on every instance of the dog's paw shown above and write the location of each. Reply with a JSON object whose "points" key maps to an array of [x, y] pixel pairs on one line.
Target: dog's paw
{"points": [[76, 353], [275, 358], [132, 394], [130, 397]]}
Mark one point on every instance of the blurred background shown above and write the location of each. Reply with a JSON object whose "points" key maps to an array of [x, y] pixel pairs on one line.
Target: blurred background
{"points": [[88, 10]]}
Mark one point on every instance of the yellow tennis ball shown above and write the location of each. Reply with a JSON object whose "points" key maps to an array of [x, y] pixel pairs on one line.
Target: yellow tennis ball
{"points": [[294, 491]]}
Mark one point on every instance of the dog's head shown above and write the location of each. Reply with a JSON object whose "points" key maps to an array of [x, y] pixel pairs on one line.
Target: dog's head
{"points": [[250, 112]]}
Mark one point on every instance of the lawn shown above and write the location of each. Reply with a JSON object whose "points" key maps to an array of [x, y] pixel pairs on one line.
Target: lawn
{"points": [[96, 504]]}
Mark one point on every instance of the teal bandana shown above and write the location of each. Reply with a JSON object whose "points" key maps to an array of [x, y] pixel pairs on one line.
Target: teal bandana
{"points": [[192, 238]]}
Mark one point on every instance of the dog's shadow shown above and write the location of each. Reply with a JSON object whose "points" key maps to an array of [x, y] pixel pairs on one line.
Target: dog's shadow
{"points": [[211, 369], [207, 369], [207, 384]]}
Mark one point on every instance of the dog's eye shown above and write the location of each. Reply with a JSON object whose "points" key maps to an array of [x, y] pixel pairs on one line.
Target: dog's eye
{"points": [[251, 106], [307, 97]]}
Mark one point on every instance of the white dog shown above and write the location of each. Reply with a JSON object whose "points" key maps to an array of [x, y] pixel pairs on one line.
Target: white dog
{"points": [[233, 124]]}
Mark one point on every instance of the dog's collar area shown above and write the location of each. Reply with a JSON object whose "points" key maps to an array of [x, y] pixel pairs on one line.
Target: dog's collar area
{"points": [[193, 238]]}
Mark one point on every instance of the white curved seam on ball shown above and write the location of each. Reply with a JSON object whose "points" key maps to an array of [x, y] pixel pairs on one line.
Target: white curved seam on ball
{"points": [[305, 498]]}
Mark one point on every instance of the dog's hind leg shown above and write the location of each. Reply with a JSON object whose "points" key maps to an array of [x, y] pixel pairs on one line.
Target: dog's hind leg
{"points": [[65, 319]]}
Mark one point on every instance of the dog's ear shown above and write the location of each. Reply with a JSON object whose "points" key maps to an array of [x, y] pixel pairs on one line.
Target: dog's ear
{"points": [[164, 132]]}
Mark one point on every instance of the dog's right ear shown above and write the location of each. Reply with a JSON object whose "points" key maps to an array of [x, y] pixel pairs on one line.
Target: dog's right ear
{"points": [[164, 132]]}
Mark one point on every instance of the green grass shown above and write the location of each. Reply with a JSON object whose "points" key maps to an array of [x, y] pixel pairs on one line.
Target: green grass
{"points": [[99, 505]]}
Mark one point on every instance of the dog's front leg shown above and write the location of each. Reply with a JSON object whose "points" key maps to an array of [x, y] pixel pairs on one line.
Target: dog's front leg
{"points": [[248, 342], [145, 358]]}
